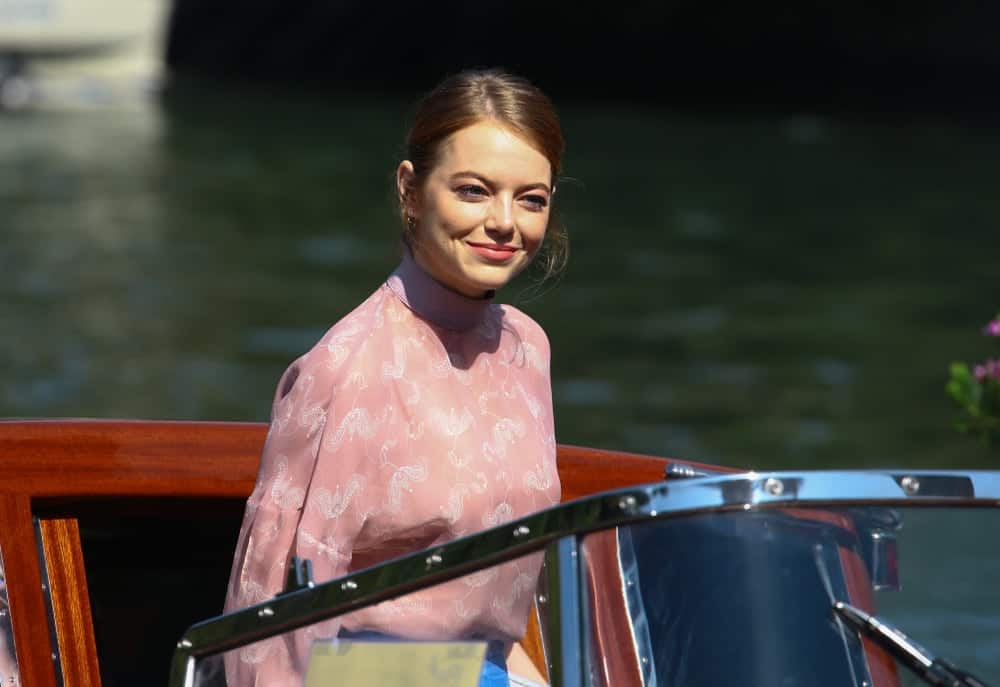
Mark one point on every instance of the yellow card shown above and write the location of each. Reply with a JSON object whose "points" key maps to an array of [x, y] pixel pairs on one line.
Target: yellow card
{"points": [[357, 663]]}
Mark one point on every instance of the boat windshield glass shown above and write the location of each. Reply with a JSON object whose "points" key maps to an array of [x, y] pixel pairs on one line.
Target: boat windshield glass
{"points": [[746, 597], [711, 599]]}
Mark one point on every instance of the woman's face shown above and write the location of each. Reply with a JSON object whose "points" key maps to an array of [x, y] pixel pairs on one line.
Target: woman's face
{"points": [[482, 211]]}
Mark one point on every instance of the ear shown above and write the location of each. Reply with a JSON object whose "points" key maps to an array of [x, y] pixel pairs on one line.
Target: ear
{"points": [[406, 188]]}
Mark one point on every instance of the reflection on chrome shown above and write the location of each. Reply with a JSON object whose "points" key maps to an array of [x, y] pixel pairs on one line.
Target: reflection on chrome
{"points": [[713, 581], [933, 670], [852, 650], [9, 674]]}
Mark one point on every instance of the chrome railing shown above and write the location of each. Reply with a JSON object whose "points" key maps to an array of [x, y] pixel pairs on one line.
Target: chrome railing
{"points": [[570, 631]]}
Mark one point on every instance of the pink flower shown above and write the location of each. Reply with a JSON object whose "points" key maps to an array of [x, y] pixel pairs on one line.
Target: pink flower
{"points": [[992, 328], [987, 370]]}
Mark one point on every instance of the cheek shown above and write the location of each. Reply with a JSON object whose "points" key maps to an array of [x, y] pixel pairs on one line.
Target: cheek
{"points": [[460, 218], [533, 232]]}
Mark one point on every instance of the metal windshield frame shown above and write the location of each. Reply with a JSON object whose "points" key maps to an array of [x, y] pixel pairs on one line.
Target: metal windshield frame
{"points": [[730, 492]]}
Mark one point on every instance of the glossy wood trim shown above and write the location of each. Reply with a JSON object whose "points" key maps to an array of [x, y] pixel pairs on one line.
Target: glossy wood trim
{"points": [[532, 642], [70, 602], [101, 458], [584, 471], [24, 591], [106, 458]]}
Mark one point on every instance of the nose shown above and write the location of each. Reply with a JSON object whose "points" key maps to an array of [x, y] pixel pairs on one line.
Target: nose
{"points": [[501, 218]]}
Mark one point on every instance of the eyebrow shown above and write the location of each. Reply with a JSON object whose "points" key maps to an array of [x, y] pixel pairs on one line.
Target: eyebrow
{"points": [[526, 187]]}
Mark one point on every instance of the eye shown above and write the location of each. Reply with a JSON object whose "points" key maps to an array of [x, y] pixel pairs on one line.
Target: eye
{"points": [[535, 202], [471, 192]]}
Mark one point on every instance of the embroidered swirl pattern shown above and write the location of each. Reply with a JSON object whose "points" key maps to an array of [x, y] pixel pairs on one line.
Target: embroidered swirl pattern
{"points": [[392, 434]]}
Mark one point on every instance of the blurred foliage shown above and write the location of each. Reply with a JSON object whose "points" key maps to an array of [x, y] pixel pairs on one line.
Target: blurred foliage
{"points": [[977, 391]]}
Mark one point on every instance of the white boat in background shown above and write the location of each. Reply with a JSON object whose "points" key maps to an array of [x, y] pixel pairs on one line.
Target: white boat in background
{"points": [[80, 52]]}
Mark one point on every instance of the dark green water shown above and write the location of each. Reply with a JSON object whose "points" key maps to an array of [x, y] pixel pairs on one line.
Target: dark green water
{"points": [[758, 290]]}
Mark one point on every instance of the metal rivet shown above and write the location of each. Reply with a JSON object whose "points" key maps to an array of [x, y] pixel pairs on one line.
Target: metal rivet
{"points": [[774, 486], [433, 559], [521, 531], [542, 599], [265, 613], [350, 585], [627, 503], [911, 485], [184, 644]]}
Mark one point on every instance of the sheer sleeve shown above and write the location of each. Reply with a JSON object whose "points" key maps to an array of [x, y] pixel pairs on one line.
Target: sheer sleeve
{"points": [[274, 511]]}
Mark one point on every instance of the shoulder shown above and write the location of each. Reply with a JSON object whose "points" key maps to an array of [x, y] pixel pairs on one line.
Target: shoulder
{"points": [[531, 337], [329, 362], [526, 327]]}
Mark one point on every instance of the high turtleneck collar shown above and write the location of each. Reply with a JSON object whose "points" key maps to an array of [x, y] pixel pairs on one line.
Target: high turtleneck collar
{"points": [[432, 300]]}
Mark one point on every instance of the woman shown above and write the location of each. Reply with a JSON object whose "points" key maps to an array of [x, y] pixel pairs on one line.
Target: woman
{"points": [[425, 414]]}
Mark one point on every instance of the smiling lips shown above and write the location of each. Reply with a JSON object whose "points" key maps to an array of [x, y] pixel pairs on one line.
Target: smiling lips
{"points": [[494, 252]]}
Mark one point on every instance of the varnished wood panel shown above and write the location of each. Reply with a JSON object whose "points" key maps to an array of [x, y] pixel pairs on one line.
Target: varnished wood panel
{"points": [[24, 591], [102, 458], [99, 458], [70, 602], [532, 642], [586, 471]]}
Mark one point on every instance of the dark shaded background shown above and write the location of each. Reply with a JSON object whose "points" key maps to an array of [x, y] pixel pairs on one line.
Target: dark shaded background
{"points": [[927, 56]]}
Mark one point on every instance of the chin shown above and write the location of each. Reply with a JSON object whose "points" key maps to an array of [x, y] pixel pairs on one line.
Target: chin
{"points": [[491, 282]]}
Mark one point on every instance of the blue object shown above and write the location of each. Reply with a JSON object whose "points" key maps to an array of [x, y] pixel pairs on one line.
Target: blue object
{"points": [[494, 667]]}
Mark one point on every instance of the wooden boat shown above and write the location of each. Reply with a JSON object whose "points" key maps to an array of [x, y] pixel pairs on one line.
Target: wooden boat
{"points": [[82, 498], [79, 51], [59, 475]]}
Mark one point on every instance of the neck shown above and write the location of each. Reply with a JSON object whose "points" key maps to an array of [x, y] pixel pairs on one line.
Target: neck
{"points": [[432, 300], [422, 263]]}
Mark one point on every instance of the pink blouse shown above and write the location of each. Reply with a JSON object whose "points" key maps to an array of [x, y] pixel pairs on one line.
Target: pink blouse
{"points": [[420, 417]]}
